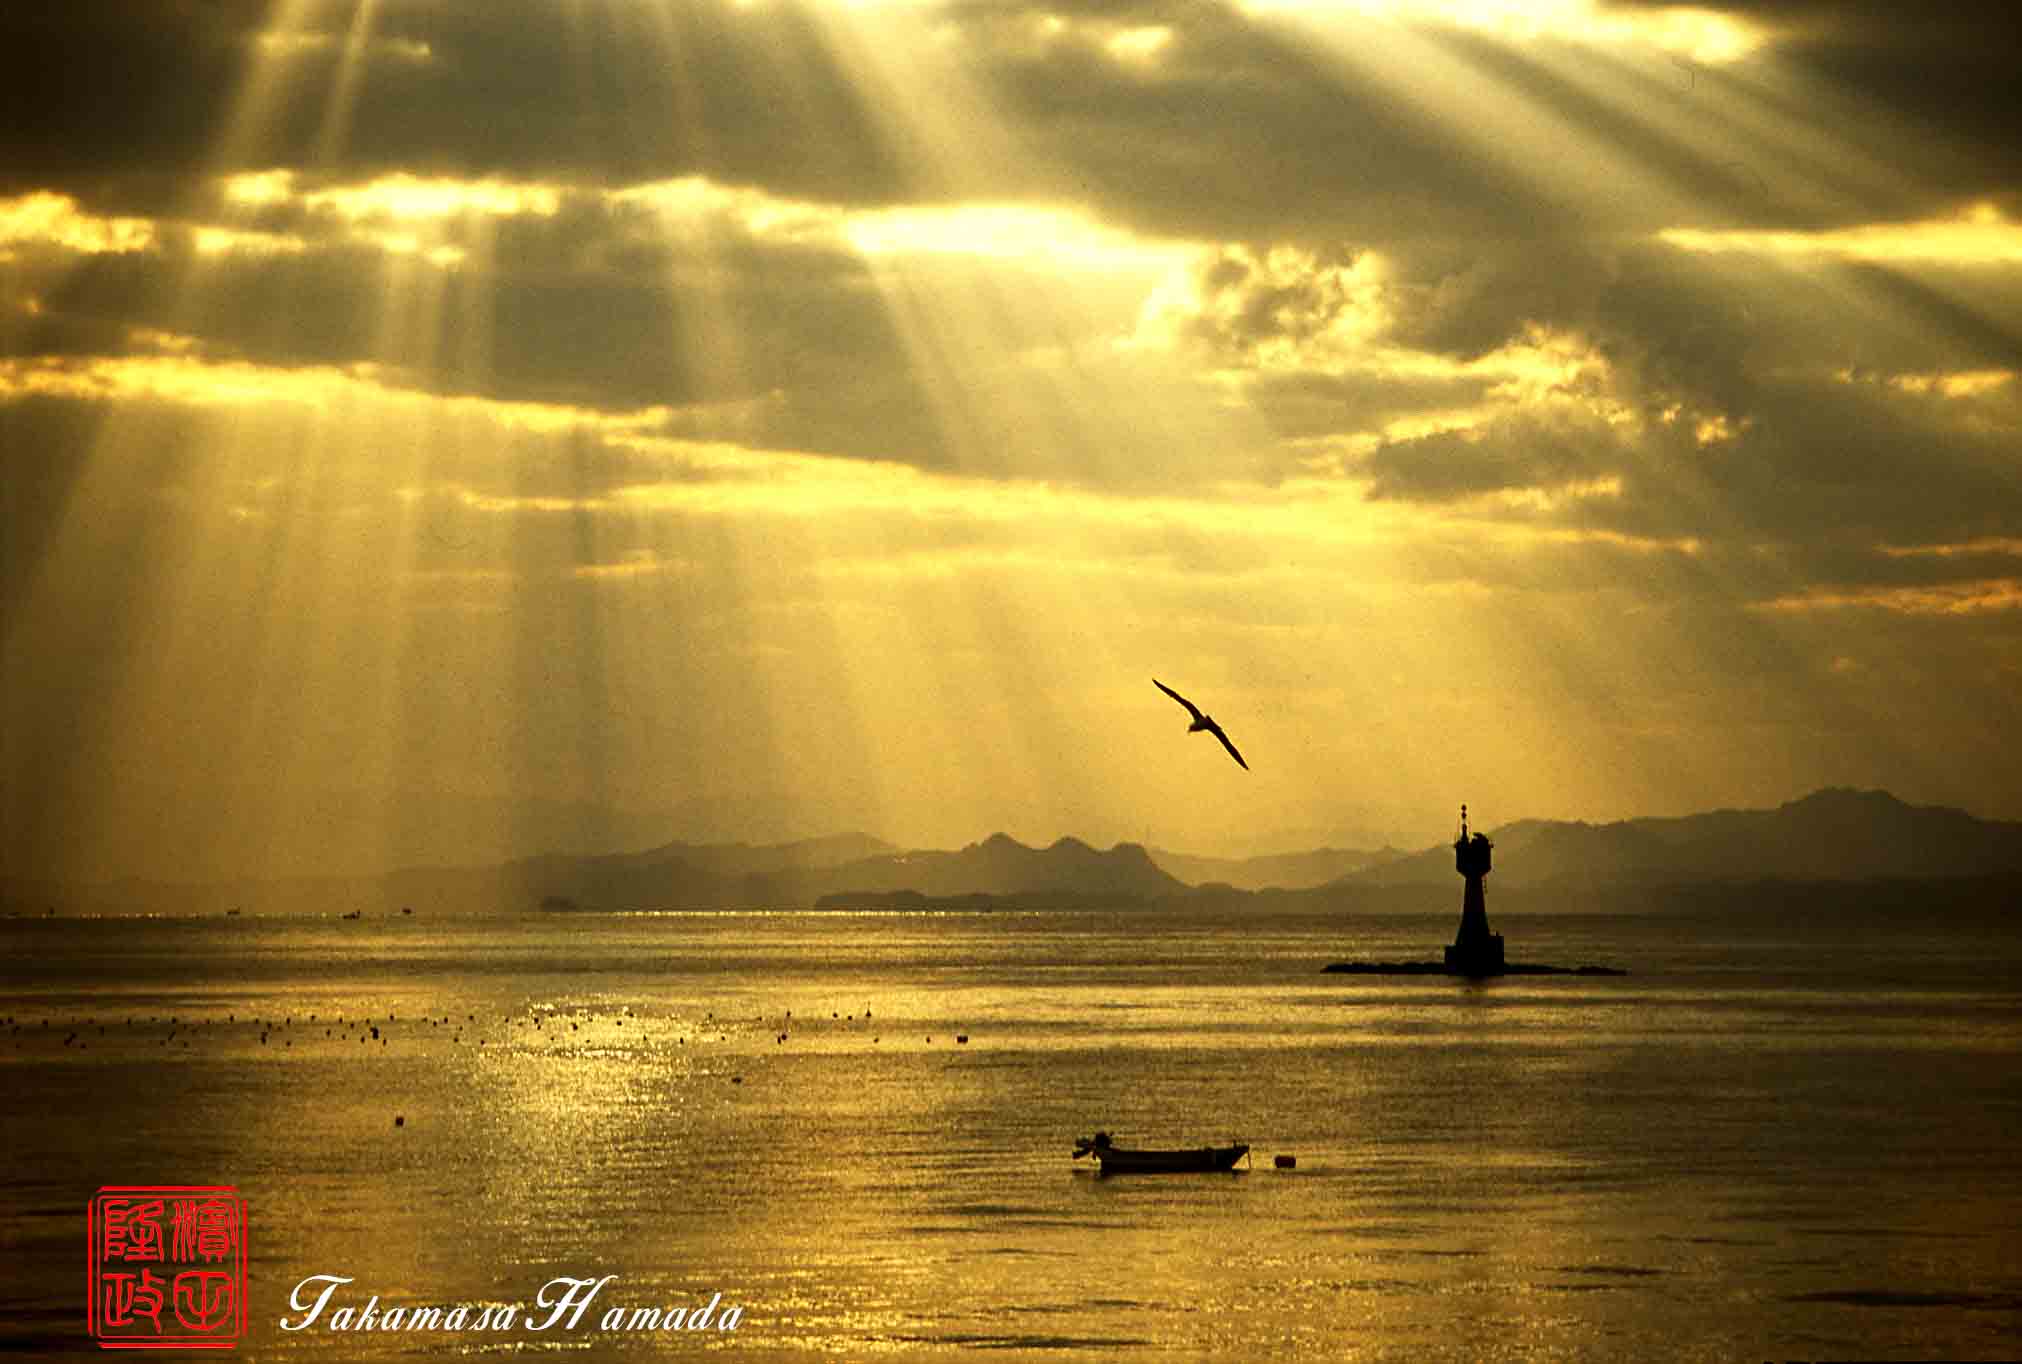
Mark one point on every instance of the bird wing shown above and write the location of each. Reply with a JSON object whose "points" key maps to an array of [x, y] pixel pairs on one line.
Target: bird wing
{"points": [[1192, 709], [1216, 730]]}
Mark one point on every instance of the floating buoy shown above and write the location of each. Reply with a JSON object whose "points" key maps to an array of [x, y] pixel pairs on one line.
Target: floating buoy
{"points": [[1285, 1162]]}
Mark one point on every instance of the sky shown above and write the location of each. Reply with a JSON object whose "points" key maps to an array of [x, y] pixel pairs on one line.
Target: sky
{"points": [[433, 431]]}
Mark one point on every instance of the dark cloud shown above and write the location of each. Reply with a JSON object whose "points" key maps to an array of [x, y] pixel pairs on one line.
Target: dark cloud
{"points": [[1251, 127], [102, 97], [591, 307], [1523, 450], [1306, 404], [1246, 132], [1829, 461], [1467, 300], [1242, 129], [117, 100], [1442, 297], [1245, 127], [1815, 406], [1939, 77]]}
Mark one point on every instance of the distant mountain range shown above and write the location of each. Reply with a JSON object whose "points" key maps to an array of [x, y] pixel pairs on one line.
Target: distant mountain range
{"points": [[1829, 836], [1001, 865], [673, 876], [1282, 871]]}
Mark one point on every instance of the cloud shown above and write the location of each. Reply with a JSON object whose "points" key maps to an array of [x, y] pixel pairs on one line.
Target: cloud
{"points": [[764, 358], [1208, 121], [519, 89], [54, 221], [1937, 75], [1980, 235], [1519, 452], [1953, 599]]}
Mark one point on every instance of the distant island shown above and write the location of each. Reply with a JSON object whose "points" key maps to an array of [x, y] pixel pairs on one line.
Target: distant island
{"points": [[1806, 853]]}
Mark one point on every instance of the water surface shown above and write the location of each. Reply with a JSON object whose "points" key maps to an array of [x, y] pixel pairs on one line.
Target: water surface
{"points": [[1757, 1145]]}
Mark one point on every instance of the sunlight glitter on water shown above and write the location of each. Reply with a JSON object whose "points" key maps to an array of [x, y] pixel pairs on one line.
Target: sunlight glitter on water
{"points": [[1547, 1168]]}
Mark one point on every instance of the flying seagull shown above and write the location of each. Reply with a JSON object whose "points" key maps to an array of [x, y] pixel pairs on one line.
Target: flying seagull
{"points": [[1202, 721]]}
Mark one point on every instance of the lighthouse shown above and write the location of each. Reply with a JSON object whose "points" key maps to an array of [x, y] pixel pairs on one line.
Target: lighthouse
{"points": [[1475, 950]]}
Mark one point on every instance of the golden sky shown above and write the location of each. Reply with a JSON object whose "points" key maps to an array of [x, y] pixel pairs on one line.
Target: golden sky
{"points": [[436, 431]]}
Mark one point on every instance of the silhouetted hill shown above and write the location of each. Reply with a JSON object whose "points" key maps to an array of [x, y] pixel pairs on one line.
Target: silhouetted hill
{"points": [[745, 859], [1282, 871], [1001, 865], [797, 875], [673, 876], [1830, 835]]}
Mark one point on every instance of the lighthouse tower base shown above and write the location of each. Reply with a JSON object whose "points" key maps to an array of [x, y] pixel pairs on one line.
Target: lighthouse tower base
{"points": [[1475, 950], [1486, 961]]}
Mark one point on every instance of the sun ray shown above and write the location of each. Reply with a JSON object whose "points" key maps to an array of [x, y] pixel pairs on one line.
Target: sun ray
{"points": [[344, 87], [802, 364]]}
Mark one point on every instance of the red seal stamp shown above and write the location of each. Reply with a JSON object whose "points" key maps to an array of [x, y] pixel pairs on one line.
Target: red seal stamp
{"points": [[167, 1267]]}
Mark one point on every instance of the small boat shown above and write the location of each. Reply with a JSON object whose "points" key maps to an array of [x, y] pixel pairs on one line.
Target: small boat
{"points": [[1115, 1160]]}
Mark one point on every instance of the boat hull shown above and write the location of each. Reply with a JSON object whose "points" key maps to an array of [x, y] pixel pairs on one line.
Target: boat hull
{"points": [[1116, 1161]]}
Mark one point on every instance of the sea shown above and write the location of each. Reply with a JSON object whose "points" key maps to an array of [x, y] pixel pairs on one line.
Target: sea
{"points": [[850, 1136]]}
